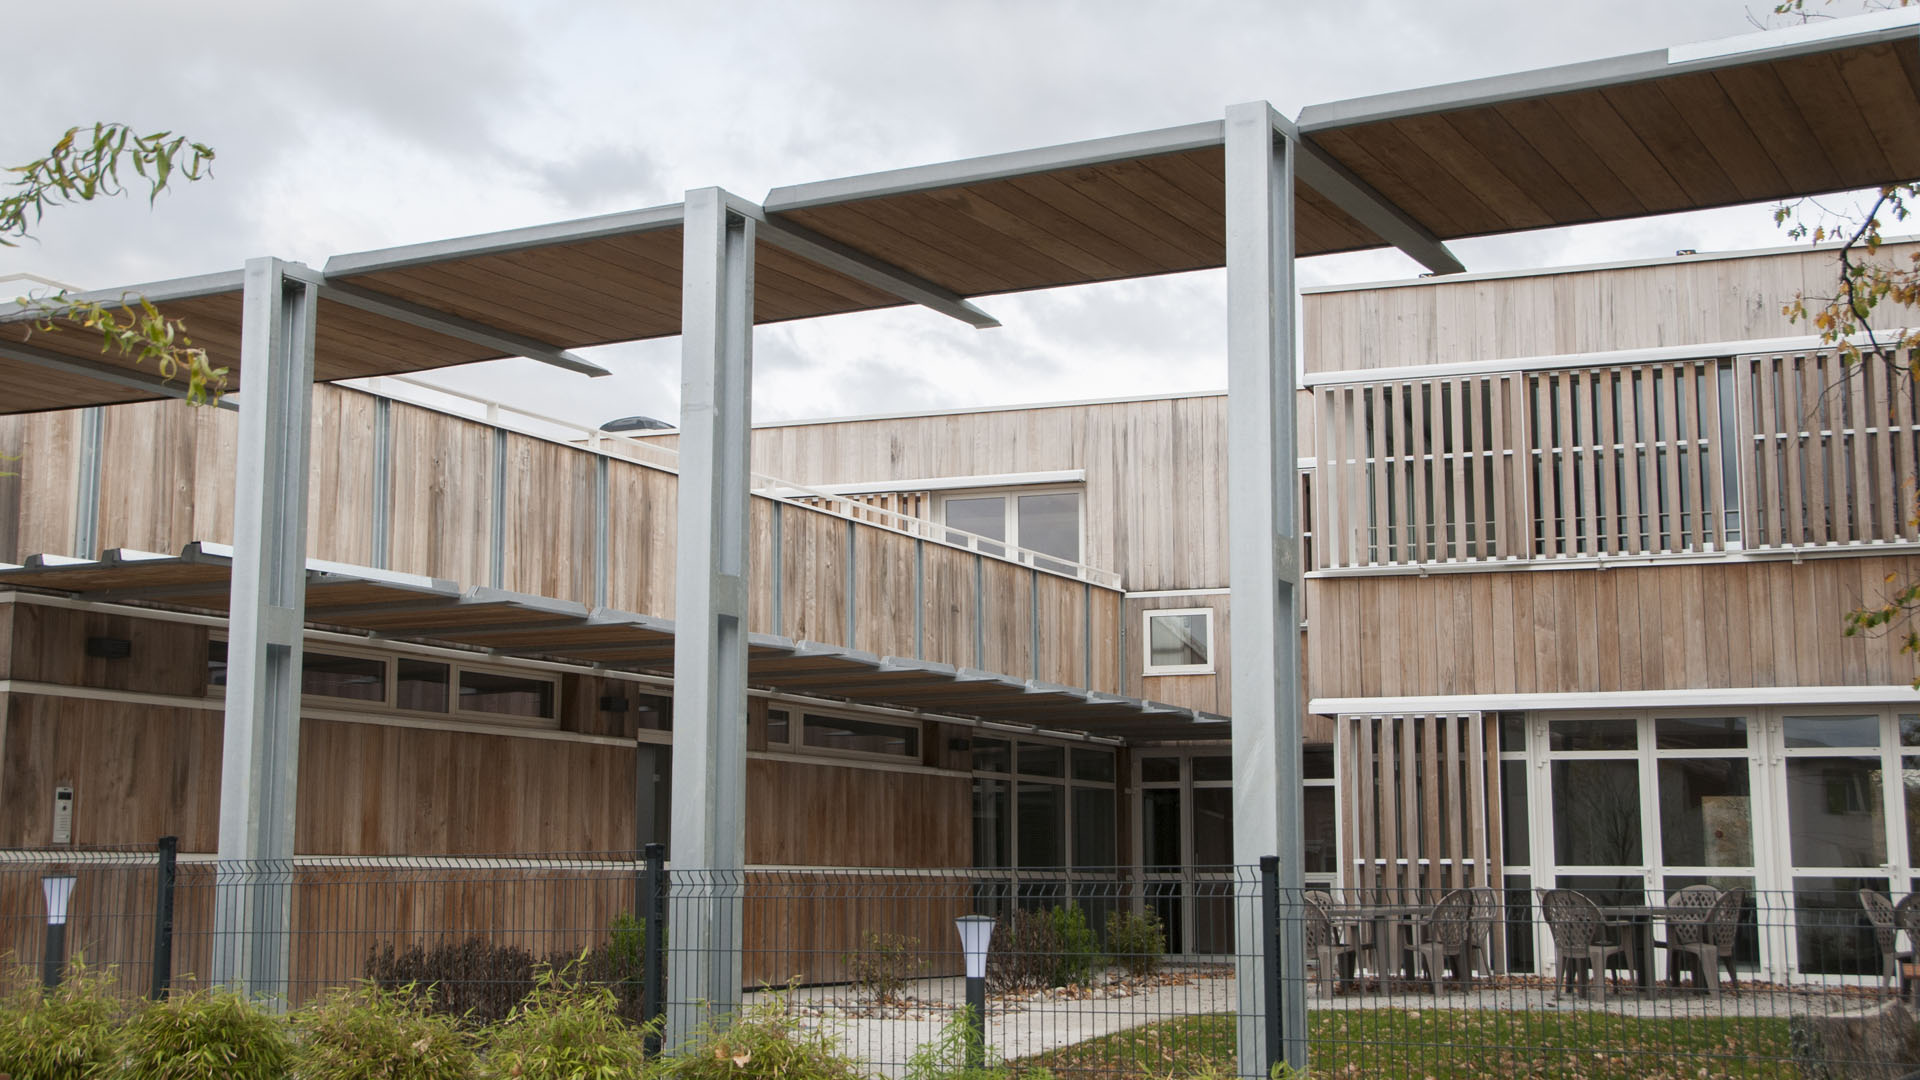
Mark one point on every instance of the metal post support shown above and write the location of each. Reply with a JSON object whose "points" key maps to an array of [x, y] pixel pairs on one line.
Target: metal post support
{"points": [[1264, 554], [261, 744], [164, 880], [653, 962], [1270, 949], [708, 836], [86, 499], [976, 1056]]}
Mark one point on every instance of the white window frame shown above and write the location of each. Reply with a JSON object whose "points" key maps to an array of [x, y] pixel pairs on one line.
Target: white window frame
{"points": [[1010, 515], [1148, 667]]}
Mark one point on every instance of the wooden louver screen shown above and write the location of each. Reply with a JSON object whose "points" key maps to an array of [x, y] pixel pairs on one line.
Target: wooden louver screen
{"points": [[1831, 450], [1421, 797], [1669, 457]]}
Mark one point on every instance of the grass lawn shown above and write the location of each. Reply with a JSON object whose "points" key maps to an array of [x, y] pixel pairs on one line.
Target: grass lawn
{"points": [[1454, 1044]]}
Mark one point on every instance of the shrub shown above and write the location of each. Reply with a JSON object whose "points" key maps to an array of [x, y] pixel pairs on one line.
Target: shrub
{"points": [[207, 1035], [367, 1033], [619, 965], [565, 1029], [944, 1057], [764, 1041], [1136, 941], [884, 964], [473, 981], [1021, 955], [63, 1034], [1077, 956]]}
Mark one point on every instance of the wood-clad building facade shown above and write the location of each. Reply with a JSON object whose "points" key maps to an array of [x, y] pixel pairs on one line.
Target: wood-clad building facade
{"points": [[1579, 544]]}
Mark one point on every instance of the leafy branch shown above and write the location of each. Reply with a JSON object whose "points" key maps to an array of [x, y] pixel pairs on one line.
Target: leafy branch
{"points": [[136, 329], [82, 167]]}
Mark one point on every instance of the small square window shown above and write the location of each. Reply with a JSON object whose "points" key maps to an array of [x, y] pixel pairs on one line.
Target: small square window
{"points": [[506, 695], [777, 727], [1179, 642]]}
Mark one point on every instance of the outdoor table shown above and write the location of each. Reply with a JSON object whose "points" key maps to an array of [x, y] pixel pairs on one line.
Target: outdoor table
{"points": [[1385, 918], [1639, 918]]}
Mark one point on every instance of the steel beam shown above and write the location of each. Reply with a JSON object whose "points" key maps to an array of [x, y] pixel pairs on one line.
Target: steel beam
{"points": [[260, 747], [710, 613], [1264, 558], [1318, 170], [453, 326], [865, 269]]}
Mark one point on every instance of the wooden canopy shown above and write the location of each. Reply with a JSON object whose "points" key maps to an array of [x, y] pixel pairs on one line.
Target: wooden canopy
{"points": [[416, 608], [1769, 116]]}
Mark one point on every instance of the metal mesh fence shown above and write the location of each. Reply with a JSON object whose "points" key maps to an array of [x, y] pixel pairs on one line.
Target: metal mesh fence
{"points": [[1086, 973]]}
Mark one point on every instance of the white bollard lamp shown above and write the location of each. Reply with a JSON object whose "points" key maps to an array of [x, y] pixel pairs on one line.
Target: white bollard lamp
{"points": [[976, 936], [58, 890]]}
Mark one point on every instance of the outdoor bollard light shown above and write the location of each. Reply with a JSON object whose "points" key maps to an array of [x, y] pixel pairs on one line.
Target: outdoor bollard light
{"points": [[976, 932], [58, 889]]}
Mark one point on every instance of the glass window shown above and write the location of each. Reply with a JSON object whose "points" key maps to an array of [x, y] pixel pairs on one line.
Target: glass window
{"points": [[1095, 765], [216, 663], [1818, 731], [1160, 829], [1159, 770], [1213, 827], [421, 685], [990, 823], [1834, 815], [1179, 640], [778, 727], [1909, 729], [1598, 733], [1910, 790], [652, 712], [1834, 936], [1700, 732], [354, 677], [506, 695], [1320, 825], [1039, 759], [1513, 732], [1316, 763], [1596, 813], [1706, 814], [864, 736], [985, 516], [1093, 846], [1516, 841], [1050, 524], [1212, 768], [1043, 825], [654, 802], [992, 755], [1519, 923]]}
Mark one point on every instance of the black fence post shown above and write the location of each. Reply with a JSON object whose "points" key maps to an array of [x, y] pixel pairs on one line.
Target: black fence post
{"points": [[1270, 954], [653, 888], [163, 917]]}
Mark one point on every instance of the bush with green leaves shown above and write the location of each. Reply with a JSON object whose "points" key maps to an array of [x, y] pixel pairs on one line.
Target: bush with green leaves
{"points": [[211, 1034], [567, 1029], [67, 1033], [1077, 955], [1136, 941], [763, 1042], [884, 964], [370, 1033]]}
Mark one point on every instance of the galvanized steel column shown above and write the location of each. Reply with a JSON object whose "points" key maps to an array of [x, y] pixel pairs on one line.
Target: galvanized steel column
{"points": [[260, 748], [710, 614], [1264, 558]]}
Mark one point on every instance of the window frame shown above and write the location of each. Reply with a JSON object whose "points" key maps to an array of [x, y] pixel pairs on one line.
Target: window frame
{"points": [[1010, 520], [1148, 667], [799, 718]]}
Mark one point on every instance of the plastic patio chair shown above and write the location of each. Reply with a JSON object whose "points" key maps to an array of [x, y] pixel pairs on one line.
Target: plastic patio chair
{"points": [[1687, 912], [1886, 935], [1450, 931], [1324, 942], [1581, 937]]}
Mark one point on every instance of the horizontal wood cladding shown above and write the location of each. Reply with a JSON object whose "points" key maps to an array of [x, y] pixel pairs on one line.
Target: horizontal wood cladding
{"points": [[807, 814], [372, 789], [1772, 623], [137, 771], [1672, 303], [49, 645]]}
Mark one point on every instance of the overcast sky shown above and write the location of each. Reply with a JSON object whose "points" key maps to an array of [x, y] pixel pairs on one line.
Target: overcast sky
{"points": [[357, 124]]}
